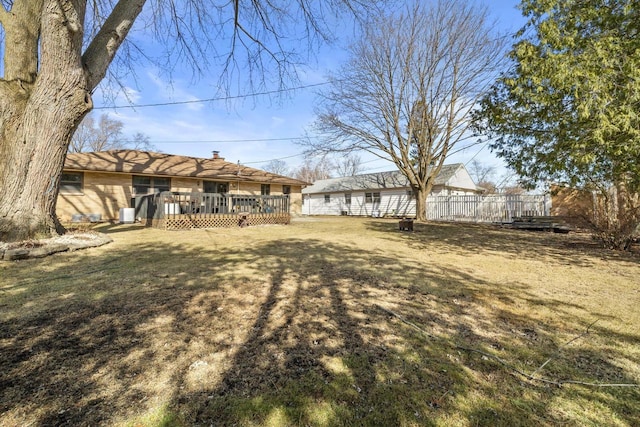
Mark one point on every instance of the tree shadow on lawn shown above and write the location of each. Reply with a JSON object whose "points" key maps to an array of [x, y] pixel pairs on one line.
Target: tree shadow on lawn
{"points": [[286, 333], [571, 249], [335, 358]]}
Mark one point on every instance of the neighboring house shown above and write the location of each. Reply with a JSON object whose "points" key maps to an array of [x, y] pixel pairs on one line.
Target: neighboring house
{"points": [[101, 183], [380, 194]]}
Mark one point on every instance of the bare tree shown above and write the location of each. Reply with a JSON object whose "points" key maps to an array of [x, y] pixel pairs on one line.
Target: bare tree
{"points": [[481, 172], [349, 165], [83, 136], [488, 187], [509, 184], [277, 166], [407, 92], [311, 170], [140, 141], [483, 175], [106, 134], [56, 52]]}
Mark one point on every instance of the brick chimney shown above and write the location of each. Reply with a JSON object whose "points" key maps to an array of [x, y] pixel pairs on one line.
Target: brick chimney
{"points": [[216, 155]]}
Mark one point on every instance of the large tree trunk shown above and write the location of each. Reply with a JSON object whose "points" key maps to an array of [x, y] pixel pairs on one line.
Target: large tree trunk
{"points": [[31, 168], [44, 95], [421, 203], [39, 111]]}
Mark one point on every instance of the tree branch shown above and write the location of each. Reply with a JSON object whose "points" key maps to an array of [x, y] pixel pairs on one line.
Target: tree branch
{"points": [[3, 16], [562, 346], [506, 364], [558, 383], [105, 44]]}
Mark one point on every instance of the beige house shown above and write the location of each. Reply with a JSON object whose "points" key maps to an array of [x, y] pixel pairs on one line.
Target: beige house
{"points": [[98, 185]]}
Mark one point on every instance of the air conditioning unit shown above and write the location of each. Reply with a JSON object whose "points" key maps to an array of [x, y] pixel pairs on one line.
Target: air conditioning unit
{"points": [[127, 215]]}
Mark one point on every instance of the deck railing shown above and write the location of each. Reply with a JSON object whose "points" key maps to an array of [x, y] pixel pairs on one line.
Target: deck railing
{"points": [[170, 209], [180, 203]]}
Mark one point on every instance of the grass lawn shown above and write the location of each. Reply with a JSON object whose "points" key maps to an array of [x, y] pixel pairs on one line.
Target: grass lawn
{"points": [[325, 322]]}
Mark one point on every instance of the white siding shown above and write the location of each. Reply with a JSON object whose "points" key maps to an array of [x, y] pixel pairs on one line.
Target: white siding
{"points": [[462, 182], [449, 191], [314, 204], [392, 203], [396, 203]]}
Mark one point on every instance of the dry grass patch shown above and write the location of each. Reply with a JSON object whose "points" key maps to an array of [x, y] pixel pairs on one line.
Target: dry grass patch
{"points": [[282, 325]]}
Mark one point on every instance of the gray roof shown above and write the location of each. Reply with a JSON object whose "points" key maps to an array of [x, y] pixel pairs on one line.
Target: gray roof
{"points": [[375, 181]]}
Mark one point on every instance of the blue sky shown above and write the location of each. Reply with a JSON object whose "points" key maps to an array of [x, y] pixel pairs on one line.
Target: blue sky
{"points": [[251, 130]]}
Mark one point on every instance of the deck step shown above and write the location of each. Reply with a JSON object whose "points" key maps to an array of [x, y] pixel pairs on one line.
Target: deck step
{"points": [[544, 223]]}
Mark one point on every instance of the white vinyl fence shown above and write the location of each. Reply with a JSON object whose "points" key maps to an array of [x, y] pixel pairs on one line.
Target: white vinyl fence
{"points": [[489, 208]]}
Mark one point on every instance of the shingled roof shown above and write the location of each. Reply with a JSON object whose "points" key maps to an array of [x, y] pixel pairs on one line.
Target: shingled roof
{"points": [[376, 181], [161, 164]]}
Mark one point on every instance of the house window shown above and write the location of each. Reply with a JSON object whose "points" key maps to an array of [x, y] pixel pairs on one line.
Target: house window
{"points": [[141, 185], [372, 197], [161, 184], [147, 184], [265, 189], [286, 189], [347, 198], [71, 183], [215, 187], [327, 198]]}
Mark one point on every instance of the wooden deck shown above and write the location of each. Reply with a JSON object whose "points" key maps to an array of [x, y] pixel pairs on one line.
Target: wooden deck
{"points": [[180, 210], [541, 223]]}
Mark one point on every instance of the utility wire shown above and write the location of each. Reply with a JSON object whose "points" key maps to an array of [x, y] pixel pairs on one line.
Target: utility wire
{"points": [[298, 155], [223, 98], [204, 141], [271, 160], [474, 156]]}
